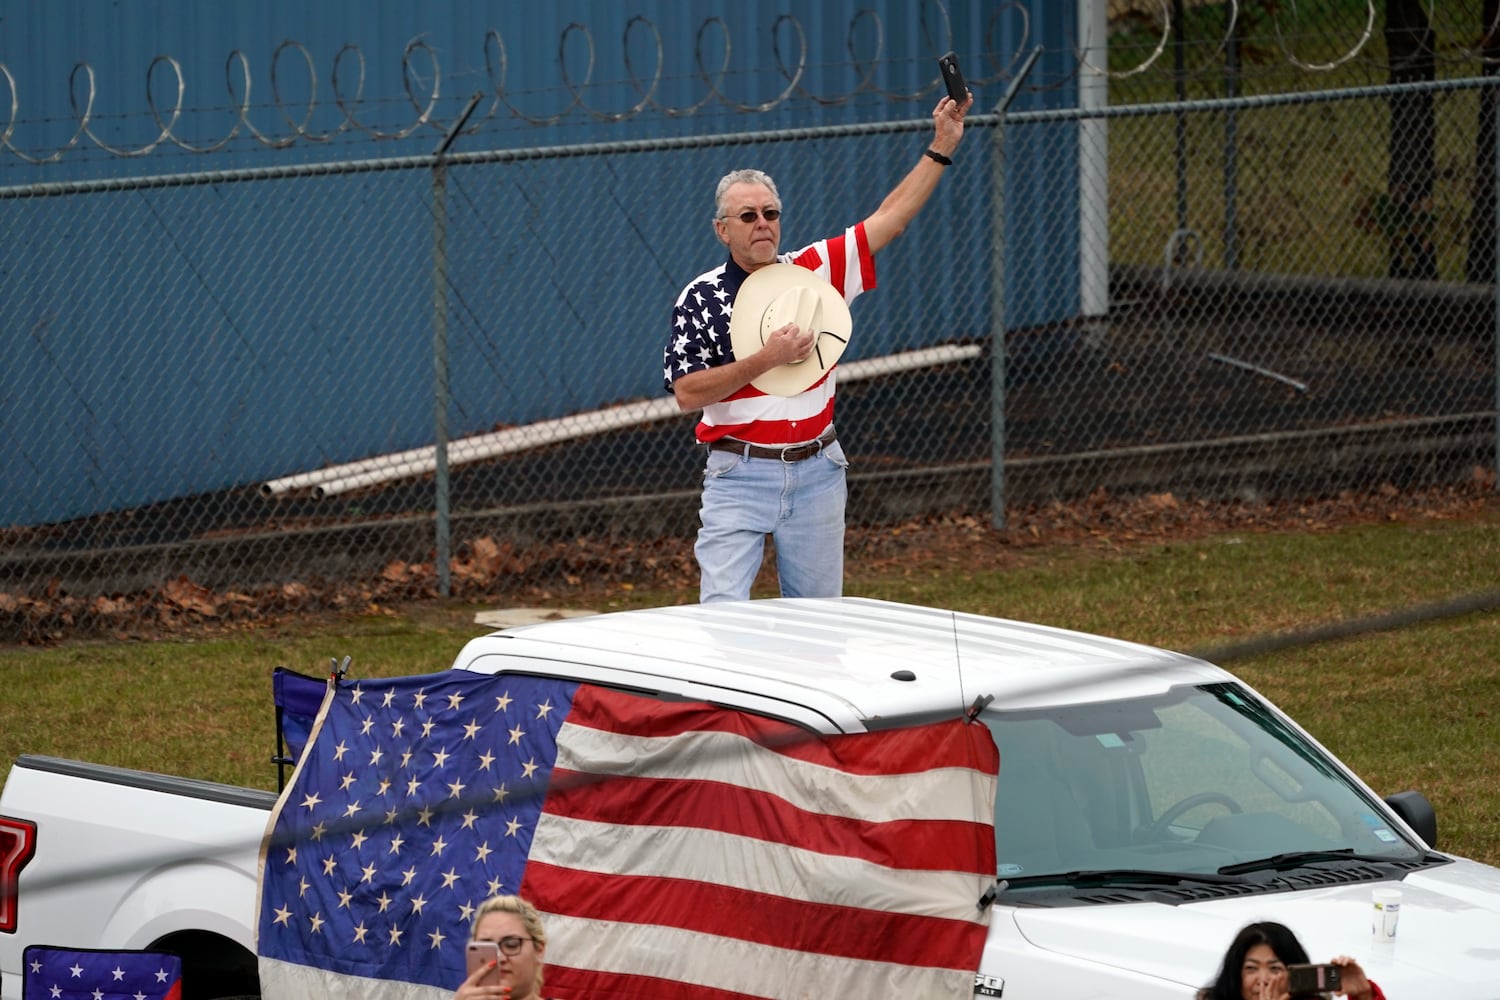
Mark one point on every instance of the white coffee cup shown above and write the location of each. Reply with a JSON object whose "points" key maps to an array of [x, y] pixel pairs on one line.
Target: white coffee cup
{"points": [[1387, 912]]}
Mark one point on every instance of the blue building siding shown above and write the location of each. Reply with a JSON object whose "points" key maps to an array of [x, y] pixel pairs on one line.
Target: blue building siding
{"points": [[202, 337]]}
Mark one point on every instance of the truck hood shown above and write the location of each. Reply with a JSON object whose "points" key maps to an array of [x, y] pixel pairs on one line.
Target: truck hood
{"points": [[1447, 943]]}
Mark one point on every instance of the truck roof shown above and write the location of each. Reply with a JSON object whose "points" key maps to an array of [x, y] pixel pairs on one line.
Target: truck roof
{"points": [[839, 664]]}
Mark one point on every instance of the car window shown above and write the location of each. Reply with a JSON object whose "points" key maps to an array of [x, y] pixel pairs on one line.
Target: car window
{"points": [[1193, 780], [1197, 756]]}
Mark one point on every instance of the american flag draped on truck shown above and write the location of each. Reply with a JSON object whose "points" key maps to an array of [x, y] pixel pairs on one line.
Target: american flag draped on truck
{"points": [[675, 849]]}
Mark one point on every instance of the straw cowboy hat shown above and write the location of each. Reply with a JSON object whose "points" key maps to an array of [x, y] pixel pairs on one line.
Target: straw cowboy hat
{"points": [[778, 294]]}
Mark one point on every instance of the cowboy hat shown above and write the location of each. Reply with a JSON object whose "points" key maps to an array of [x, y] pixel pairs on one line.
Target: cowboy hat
{"points": [[778, 294]]}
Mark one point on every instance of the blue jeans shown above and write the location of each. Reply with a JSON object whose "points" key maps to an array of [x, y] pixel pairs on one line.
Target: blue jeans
{"points": [[800, 504]]}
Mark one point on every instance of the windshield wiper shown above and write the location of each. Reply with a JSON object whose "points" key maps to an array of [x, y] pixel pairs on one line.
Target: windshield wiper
{"points": [[1296, 859], [1124, 878]]}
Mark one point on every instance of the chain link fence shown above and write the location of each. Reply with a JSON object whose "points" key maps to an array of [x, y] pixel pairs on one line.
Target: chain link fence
{"points": [[1279, 323], [225, 388]]}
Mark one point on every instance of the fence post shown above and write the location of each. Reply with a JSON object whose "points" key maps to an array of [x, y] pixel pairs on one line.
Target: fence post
{"points": [[442, 543], [1231, 148], [997, 330], [997, 300], [1495, 289]]}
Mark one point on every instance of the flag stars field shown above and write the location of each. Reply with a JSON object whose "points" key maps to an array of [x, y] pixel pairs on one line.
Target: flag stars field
{"points": [[432, 801], [61, 973]]}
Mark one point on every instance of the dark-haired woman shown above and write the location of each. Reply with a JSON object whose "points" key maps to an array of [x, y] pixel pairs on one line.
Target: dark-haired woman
{"points": [[1255, 967]]}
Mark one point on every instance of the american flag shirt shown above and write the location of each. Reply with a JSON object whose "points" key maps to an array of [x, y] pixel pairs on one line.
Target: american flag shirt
{"points": [[700, 340]]}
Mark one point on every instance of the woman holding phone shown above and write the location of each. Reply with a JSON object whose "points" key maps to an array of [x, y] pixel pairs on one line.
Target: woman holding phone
{"points": [[505, 950], [1255, 968]]}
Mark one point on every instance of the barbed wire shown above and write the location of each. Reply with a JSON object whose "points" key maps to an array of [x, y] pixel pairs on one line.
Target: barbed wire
{"points": [[715, 47], [1451, 43], [422, 79]]}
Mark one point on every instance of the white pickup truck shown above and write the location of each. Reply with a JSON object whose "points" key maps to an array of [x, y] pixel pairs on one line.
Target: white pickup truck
{"points": [[1149, 805]]}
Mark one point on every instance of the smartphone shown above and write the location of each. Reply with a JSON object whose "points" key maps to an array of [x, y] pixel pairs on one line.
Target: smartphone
{"points": [[481, 953], [953, 77], [1304, 979]]}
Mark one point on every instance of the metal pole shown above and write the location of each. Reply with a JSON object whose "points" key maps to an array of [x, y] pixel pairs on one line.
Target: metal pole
{"points": [[1232, 151], [997, 335], [1496, 291], [443, 540], [1179, 76], [1093, 164], [997, 301]]}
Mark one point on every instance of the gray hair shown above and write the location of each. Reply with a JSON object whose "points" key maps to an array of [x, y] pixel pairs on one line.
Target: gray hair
{"points": [[742, 177]]}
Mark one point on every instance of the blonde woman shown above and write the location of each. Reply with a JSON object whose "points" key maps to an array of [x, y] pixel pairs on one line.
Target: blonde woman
{"points": [[515, 973]]}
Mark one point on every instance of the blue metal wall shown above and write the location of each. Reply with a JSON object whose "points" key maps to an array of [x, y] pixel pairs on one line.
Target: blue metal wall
{"points": [[87, 335]]}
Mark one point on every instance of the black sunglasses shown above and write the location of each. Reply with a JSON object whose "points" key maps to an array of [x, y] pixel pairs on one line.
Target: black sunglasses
{"points": [[749, 215]]}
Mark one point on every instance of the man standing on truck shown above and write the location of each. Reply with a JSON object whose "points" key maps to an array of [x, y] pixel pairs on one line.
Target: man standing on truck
{"points": [[774, 463]]}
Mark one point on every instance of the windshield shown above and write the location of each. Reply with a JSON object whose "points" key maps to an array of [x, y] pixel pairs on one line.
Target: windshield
{"points": [[1197, 780]]}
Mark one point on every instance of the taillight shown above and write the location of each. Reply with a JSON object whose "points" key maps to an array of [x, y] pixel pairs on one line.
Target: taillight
{"points": [[17, 845]]}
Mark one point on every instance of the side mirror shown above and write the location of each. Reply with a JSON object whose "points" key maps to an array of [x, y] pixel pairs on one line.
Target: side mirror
{"points": [[1418, 813]]}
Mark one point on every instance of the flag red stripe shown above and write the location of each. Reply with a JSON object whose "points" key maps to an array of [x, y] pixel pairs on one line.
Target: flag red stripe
{"points": [[570, 982], [866, 258], [774, 921], [836, 266], [926, 845], [810, 258], [895, 751]]}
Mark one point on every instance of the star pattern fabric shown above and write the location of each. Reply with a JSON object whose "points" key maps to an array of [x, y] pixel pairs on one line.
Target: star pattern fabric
{"points": [[88, 974], [700, 324], [415, 802]]}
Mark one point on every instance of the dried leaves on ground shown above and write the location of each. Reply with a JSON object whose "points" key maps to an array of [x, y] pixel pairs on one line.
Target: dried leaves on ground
{"points": [[591, 570]]}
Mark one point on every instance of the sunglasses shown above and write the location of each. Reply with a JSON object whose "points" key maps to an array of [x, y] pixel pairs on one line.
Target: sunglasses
{"points": [[749, 215]]}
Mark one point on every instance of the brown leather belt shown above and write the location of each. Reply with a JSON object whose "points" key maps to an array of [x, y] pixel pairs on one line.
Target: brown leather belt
{"points": [[792, 453]]}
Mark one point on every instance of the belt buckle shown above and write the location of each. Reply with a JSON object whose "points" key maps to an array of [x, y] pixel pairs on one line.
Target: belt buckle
{"points": [[816, 446]]}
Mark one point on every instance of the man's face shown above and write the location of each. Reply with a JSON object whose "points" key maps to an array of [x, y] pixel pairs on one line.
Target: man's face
{"points": [[752, 244]]}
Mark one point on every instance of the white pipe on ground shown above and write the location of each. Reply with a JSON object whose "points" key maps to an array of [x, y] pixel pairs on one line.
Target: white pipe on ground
{"points": [[336, 479]]}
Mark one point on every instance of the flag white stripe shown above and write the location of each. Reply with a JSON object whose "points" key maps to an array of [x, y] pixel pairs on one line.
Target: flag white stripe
{"points": [[743, 966], [755, 865], [290, 981], [940, 794], [803, 406]]}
